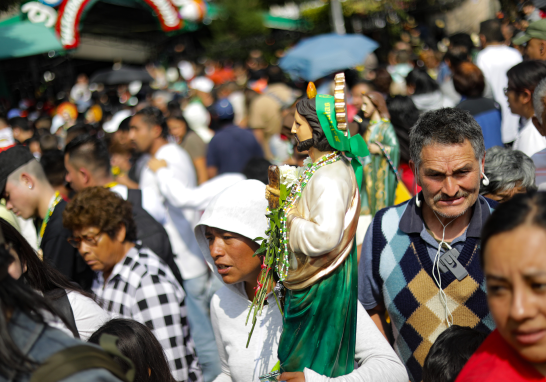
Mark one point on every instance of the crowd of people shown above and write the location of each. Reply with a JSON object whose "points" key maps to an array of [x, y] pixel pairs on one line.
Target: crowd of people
{"points": [[139, 216]]}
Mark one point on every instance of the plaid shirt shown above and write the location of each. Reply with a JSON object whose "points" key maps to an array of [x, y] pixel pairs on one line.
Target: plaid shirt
{"points": [[143, 288]]}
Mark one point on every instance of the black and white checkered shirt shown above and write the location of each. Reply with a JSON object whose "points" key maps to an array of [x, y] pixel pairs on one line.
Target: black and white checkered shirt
{"points": [[143, 288]]}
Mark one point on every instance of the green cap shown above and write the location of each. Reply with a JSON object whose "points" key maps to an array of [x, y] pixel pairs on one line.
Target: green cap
{"points": [[534, 30]]}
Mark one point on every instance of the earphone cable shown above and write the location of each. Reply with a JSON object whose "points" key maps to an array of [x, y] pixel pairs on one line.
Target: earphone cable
{"points": [[435, 264]]}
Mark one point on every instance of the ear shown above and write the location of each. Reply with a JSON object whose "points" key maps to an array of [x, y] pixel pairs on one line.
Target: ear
{"points": [[482, 168], [86, 175], [414, 170], [27, 180], [120, 236], [410, 90], [539, 126], [156, 131], [526, 97]]}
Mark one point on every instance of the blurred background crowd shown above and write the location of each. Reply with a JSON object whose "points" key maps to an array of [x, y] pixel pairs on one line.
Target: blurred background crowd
{"points": [[169, 103]]}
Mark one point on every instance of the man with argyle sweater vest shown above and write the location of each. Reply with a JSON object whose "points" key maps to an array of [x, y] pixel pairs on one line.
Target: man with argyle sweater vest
{"points": [[420, 259]]}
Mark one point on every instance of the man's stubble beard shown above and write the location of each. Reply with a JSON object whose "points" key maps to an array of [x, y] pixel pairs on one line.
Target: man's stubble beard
{"points": [[465, 194]]}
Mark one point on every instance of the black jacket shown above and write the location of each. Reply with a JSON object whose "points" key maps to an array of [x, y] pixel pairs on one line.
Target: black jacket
{"points": [[151, 233], [62, 255]]}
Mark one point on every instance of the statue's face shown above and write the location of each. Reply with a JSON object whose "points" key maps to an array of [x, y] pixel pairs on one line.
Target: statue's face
{"points": [[367, 106], [301, 128]]}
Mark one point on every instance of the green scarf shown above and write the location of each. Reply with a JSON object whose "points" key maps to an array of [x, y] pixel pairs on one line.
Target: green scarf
{"points": [[354, 147]]}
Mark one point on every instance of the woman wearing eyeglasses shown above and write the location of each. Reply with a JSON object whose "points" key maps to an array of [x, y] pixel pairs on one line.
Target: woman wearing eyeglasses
{"points": [[132, 281], [522, 81]]}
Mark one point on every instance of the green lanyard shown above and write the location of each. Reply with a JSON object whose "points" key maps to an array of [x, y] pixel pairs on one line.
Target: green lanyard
{"points": [[49, 212]]}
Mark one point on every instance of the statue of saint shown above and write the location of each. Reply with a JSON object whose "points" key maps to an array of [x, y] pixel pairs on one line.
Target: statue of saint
{"points": [[380, 181], [319, 328]]}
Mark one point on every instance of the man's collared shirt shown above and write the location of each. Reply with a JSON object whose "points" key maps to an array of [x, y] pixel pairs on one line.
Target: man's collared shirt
{"points": [[369, 293], [143, 288]]}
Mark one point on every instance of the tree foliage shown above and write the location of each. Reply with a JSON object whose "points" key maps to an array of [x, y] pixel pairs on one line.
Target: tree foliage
{"points": [[6, 5], [238, 28]]}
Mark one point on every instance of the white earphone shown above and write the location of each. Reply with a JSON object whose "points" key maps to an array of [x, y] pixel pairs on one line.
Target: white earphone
{"points": [[485, 180], [417, 201]]}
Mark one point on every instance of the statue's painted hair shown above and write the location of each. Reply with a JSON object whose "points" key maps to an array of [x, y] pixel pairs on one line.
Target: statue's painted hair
{"points": [[379, 103], [308, 110]]}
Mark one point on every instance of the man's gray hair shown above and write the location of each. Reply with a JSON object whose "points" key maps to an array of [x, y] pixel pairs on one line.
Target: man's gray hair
{"points": [[507, 169], [538, 99], [445, 127]]}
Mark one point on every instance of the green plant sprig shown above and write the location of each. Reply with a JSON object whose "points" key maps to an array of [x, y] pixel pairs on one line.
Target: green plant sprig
{"points": [[270, 251]]}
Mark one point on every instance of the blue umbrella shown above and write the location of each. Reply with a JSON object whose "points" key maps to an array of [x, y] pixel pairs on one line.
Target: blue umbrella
{"points": [[322, 55]]}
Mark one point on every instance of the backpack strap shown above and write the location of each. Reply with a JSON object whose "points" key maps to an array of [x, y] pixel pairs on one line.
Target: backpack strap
{"points": [[63, 308], [80, 358], [134, 196]]}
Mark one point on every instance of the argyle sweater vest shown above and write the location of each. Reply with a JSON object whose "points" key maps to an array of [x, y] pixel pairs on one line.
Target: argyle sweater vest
{"points": [[402, 268]]}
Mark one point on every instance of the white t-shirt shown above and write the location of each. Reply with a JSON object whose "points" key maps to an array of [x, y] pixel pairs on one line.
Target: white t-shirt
{"points": [[495, 61], [88, 316], [180, 221], [529, 140], [151, 202]]}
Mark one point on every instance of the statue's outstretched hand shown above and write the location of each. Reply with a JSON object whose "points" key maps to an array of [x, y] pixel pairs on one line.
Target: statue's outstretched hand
{"points": [[271, 191]]}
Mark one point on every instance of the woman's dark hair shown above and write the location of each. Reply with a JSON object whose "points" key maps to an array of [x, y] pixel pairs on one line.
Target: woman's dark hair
{"points": [[461, 40], [450, 352], [138, 343], [16, 296], [173, 106], [382, 81], [125, 125], [422, 82], [177, 114], [307, 109], [99, 207], [404, 115], [526, 75], [529, 208], [457, 55], [39, 275], [468, 80]]}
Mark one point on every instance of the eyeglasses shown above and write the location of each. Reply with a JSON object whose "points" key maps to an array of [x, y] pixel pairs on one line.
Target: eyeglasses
{"points": [[89, 239], [506, 90]]}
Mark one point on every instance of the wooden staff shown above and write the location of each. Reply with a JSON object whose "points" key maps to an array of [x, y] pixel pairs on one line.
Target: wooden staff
{"points": [[274, 176]]}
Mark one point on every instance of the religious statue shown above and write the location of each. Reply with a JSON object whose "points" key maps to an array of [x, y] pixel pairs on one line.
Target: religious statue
{"points": [[380, 176], [310, 249]]}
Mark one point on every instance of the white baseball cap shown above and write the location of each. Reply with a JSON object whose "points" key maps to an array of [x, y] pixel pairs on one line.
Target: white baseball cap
{"points": [[202, 84], [113, 125]]}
